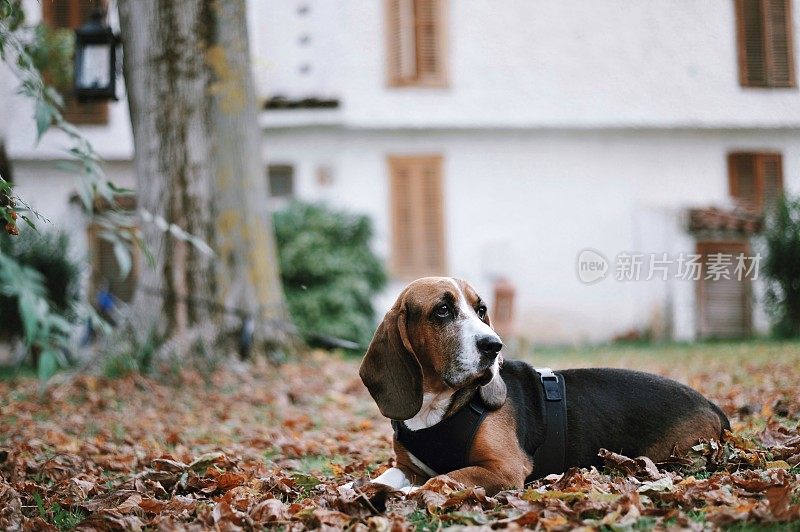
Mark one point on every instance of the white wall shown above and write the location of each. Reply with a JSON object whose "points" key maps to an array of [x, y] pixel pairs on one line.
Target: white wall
{"points": [[529, 63], [296, 52], [523, 204]]}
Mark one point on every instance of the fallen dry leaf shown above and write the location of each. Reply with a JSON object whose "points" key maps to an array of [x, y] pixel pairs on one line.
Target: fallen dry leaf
{"points": [[271, 448]]}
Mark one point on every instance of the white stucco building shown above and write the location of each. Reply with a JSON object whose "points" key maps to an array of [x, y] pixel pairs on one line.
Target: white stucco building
{"points": [[493, 140]]}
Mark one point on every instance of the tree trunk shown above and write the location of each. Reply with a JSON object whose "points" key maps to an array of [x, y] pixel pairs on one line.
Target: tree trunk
{"points": [[197, 161]]}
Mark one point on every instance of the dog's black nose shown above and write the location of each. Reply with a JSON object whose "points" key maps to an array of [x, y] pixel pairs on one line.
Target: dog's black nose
{"points": [[489, 345]]}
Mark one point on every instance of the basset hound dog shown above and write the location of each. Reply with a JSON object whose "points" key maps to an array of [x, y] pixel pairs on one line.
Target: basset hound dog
{"points": [[434, 368]]}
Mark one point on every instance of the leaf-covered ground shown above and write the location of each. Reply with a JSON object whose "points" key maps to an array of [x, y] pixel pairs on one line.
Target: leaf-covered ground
{"points": [[255, 447]]}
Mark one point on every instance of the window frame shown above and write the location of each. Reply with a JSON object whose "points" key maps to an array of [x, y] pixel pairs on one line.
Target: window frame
{"points": [[291, 173]]}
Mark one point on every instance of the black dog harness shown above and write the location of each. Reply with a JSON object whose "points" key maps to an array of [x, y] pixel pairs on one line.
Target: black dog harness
{"points": [[445, 447], [550, 456]]}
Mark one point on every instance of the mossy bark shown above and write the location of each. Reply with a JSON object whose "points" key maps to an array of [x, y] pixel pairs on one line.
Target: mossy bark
{"points": [[198, 165]]}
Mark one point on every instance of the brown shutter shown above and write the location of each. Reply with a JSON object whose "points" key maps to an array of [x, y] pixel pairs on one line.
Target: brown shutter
{"points": [[417, 217], [766, 50], [742, 179], [68, 13], [415, 42], [752, 64], [84, 113], [401, 43], [106, 270], [771, 178], [778, 43], [723, 304], [58, 13], [431, 215], [402, 217], [756, 179], [429, 40], [393, 40], [71, 14]]}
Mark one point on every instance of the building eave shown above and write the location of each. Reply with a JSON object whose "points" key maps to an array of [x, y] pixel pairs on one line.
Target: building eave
{"points": [[309, 120]]}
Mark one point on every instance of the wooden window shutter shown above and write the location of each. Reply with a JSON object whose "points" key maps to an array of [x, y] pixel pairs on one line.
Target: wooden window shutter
{"points": [[58, 13], [403, 218], [402, 57], [417, 216], [429, 41], [756, 179], [431, 217], [70, 14], [742, 176], [752, 64], [724, 309], [415, 42], [770, 170], [106, 271], [779, 46], [766, 48], [393, 41]]}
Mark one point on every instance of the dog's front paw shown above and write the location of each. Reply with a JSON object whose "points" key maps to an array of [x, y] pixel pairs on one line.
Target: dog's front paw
{"points": [[357, 484], [442, 484]]}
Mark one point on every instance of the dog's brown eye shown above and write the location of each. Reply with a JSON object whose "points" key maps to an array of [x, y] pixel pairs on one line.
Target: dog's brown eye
{"points": [[481, 312], [442, 311]]}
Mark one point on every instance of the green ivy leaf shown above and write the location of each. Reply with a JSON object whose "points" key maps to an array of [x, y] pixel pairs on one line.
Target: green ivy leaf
{"points": [[31, 317], [120, 190], [44, 118], [123, 256], [29, 222], [54, 96], [59, 324], [48, 365]]}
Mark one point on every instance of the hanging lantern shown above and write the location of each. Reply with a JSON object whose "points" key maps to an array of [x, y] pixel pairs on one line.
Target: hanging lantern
{"points": [[95, 60]]}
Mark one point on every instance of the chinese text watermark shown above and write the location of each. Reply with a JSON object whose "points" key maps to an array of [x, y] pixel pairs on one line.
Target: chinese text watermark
{"points": [[593, 266]]}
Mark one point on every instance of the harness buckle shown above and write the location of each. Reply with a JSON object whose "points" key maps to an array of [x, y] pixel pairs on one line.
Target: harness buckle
{"points": [[552, 389]]}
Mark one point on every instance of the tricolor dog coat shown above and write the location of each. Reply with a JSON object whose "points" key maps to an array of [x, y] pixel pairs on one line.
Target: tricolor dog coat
{"points": [[434, 368]]}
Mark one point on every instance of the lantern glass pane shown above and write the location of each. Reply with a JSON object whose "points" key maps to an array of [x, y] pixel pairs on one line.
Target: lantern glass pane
{"points": [[95, 66]]}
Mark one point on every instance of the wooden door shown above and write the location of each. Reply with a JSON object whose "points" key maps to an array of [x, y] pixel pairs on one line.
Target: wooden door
{"points": [[724, 309]]}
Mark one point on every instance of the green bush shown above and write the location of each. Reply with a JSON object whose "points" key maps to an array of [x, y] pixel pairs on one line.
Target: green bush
{"points": [[51, 52], [329, 272], [782, 267], [46, 254]]}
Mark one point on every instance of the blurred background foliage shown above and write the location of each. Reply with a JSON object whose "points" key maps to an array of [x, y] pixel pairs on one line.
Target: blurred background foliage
{"points": [[11, 12], [782, 267], [329, 272], [39, 298], [47, 254], [51, 52]]}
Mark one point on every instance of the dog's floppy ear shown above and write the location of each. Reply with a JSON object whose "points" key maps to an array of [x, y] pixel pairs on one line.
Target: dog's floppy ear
{"points": [[390, 369], [494, 393]]}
